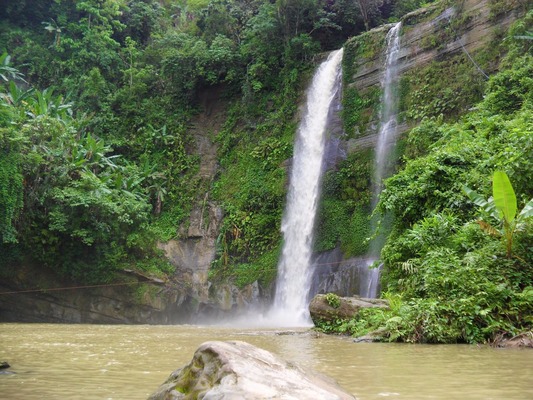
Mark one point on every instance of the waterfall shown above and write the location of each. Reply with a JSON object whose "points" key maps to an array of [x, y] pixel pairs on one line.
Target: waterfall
{"points": [[385, 147], [389, 103], [294, 268]]}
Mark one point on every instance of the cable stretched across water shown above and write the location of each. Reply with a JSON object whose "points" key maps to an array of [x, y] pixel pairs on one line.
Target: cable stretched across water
{"points": [[56, 289]]}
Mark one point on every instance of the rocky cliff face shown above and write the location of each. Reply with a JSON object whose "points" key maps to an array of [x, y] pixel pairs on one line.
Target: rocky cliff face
{"points": [[195, 250], [458, 40], [136, 300], [448, 51]]}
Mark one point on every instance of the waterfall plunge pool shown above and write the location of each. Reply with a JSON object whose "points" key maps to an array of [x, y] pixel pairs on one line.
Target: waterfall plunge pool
{"points": [[58, 361]]}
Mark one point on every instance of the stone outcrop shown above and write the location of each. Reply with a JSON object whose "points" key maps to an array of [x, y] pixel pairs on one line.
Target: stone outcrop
{"points": [[195, 249], [135, 300], [192, 256], [523, 340], [335, 274], [238, 370], [347, 307]]}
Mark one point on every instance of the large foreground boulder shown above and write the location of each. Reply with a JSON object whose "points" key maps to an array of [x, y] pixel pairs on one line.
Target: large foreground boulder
{"points": [[330, 307], [239, 371]]}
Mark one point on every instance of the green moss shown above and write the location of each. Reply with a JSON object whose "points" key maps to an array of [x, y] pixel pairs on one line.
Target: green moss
{"points": [[419, 16], [359, 109], [354, 240], [251, 185], [143, 293], [263, 270], [254, 145], [185, 383], [429, 42], [429, 13], [501, 7], [449, 87], [343, 214], [366, 46]]}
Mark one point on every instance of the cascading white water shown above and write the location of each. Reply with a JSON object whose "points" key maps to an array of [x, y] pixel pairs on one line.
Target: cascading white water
{"points": [[294, 269], [384, 147], [389, 103]]}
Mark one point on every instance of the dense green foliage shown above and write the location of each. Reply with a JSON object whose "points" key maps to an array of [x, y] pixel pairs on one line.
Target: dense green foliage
{"points": [[345, 209], [97, 158], [83, 208], [454, 271], [252, 187], [97, 98]]}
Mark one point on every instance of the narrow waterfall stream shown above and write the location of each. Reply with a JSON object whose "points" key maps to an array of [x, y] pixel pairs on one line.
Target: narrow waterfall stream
{"points": [[294, 269], [389, 108], [384, 150]]}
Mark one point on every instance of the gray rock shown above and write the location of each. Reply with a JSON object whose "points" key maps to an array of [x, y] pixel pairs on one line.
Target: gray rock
{"points": [[239, 371], [348, 307], [374, 336]]}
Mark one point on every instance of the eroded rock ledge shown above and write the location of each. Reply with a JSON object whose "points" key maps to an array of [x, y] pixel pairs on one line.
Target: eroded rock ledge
{"points": [[237, 370]]}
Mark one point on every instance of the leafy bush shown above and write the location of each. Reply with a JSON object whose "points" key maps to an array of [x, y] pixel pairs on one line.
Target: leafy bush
{"points": [[333, 300], [447, 87]]}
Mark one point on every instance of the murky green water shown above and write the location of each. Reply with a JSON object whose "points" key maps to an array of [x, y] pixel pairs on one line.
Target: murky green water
{"points": [[129, 362]]}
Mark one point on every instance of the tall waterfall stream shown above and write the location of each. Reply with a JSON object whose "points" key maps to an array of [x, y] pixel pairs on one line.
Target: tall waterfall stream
{"points": [[294, 272], [389, 108], [384, 150]]}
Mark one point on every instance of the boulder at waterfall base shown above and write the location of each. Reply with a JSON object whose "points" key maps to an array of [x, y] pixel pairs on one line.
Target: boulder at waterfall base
{"points": [[237, 370], [346, 308]]}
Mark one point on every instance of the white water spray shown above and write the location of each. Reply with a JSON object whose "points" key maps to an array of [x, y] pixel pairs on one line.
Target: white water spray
{"points": [[384, 147], [294, 269]]}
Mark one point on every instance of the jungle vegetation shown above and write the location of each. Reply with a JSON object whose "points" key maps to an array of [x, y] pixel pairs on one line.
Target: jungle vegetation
{"points": [[457, 264], [96, 100], [96, 160]]}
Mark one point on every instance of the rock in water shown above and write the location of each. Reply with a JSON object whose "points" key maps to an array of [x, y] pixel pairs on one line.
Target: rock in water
{"points": [[239, 371], [348, 307]]}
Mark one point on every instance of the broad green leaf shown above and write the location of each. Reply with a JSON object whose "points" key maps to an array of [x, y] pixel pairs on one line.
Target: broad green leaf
{"points": [[527, 211], [474, 196], [477, 199], [504, 196]]}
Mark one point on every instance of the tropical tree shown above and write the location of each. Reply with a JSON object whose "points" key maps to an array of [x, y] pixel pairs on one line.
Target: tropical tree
{"points": [[8, 73], [368, 8], [502, 207]]}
